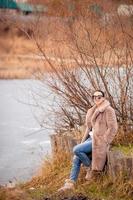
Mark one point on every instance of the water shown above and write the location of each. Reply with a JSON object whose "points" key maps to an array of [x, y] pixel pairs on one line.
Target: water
{"points": [[23, 143]]}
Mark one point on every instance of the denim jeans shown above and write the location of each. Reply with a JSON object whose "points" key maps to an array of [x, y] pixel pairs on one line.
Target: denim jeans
{"points": [[80, 156]]}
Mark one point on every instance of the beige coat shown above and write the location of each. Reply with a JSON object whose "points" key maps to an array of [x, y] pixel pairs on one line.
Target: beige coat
{"points": [[104, 123]]}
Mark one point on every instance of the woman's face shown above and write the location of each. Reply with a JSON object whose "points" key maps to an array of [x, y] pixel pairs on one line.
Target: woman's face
{"points": [[98, 98]]}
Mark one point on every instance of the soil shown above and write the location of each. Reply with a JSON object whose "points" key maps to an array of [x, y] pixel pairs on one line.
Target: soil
{"points": [[75, 197]]}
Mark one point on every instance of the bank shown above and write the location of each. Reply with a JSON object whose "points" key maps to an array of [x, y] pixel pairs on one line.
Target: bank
{"points": [[55, 170]]}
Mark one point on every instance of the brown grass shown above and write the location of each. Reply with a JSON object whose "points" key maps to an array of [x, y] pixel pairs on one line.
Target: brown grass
{"points": [[52, 175], [55, 171], [14, 43]]}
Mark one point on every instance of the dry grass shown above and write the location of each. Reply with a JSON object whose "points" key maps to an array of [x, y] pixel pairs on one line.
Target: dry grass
{"points": [[123, 138], [18, 57], [55, 171], [14, 42]]}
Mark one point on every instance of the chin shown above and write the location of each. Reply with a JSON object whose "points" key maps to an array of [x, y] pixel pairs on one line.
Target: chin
{"points": [[98, 103]]}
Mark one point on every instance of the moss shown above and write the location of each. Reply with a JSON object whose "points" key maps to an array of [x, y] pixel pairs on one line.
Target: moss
{"points": [[37, 193], [126, 150]]}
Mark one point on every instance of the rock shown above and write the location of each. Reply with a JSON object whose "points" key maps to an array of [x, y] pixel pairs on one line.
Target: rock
{"points": [[62, 142], [10, 184], [31, 188], [119, 164]]}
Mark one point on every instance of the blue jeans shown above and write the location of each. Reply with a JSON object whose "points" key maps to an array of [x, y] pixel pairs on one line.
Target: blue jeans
{"points": [[80, 156]]}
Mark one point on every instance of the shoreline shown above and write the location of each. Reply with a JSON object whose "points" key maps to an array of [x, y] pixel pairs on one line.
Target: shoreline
{"points": [[32, 66]]}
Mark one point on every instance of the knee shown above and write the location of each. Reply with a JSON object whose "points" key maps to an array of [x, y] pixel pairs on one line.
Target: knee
{"points": [[75, 150]]}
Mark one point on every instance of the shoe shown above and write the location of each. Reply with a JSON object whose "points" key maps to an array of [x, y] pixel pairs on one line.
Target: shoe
{"points": [[69, 185], [88, 173], [88, 176], [92, 175]]}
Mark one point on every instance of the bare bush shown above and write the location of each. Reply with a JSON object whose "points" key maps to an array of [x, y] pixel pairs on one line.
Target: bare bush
{"points": [[95, 56]]}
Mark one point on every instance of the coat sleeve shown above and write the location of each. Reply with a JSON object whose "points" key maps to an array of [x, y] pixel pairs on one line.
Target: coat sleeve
{"points": [[88, 119], [87, 125], [111, 124]]}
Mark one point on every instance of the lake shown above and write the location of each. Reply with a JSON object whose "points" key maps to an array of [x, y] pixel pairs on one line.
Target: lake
{"points": [[23, 143]]}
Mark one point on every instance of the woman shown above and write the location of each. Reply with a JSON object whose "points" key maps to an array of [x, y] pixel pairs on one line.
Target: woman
{"points": [[101, 127]]}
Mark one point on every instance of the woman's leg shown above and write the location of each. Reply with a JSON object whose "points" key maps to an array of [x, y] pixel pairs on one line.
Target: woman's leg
{"points": [[69, 183], [75, 168], [81, 151], [83, 148]]}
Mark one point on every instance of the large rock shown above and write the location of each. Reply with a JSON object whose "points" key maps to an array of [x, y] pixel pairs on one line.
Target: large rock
{"points": [[62, 142], [119, 164]]}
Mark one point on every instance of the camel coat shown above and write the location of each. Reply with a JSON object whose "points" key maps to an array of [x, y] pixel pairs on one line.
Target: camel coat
{"points": [[104, 123]]}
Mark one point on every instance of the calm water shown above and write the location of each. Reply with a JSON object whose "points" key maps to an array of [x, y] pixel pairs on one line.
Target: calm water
{"points": [[23, 144]]}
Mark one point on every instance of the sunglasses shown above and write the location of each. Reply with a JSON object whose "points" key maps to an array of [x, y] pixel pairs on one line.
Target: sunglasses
{"points": [[97, 97]]}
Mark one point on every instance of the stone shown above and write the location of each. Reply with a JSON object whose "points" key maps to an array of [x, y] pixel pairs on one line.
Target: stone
{"points": [[119, 164], [62, 142]]}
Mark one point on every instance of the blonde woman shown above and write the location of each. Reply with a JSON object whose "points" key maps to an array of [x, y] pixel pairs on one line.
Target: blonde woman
{"points": [[101, 127]]}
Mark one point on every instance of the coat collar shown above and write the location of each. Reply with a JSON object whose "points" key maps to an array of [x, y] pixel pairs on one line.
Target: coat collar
{"points": [[96, 110], [103, 105]]}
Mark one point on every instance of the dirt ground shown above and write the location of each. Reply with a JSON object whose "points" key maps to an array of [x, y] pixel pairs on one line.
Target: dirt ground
{"points": [[18, 194]]}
